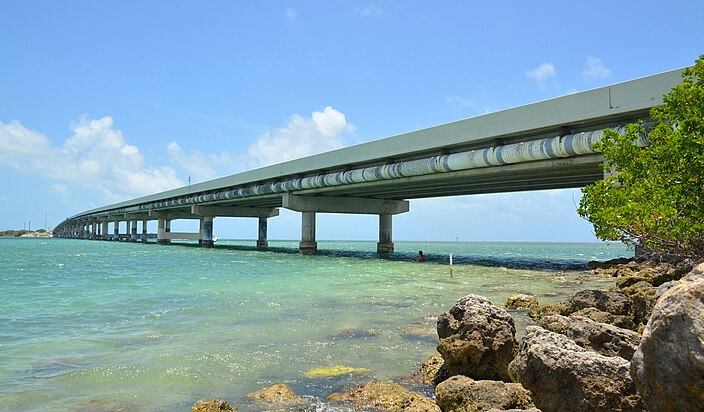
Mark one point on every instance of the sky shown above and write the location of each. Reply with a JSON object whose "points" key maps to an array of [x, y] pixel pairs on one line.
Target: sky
{"points": [[106, 101]]}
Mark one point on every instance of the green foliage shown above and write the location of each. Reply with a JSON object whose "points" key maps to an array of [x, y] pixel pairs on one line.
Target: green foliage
{"points": [[656, 196], [14, 233]]}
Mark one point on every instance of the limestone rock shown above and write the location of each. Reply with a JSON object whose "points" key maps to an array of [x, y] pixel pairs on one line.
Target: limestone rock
{"points": [[603, 338], [536, 312], [462, 394], [605, 317], [613, 301], [477, 339], [212, 405], [514, 410], [562, 375], [521, 301], [668, 366], [279, 393], [387, 396], [432, 371]]}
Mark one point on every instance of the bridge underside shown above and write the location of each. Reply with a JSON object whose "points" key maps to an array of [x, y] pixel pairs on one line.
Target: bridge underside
{"points": [[560, 173]]}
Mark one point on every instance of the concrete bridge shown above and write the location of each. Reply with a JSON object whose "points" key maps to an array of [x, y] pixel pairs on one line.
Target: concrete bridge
{"points": [[545, 145]]}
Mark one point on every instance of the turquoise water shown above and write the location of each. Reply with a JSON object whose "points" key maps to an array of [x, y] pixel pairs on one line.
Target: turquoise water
{"points": [[119, 326]]}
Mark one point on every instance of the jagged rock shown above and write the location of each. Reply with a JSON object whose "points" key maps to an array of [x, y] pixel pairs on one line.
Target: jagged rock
{"points": [[279, 393], [387, 396], [605, 317], [521, 301], [655, 276], [594, 264], [477, 339], [668, 366], [562, 375], [536, 312], [643, 295], [432, 371], [462, 394], [212, 405], [613, 301], [603, 338]]}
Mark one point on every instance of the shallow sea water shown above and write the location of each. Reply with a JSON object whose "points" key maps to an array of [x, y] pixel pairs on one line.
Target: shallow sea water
{"points": [[97, 326]]}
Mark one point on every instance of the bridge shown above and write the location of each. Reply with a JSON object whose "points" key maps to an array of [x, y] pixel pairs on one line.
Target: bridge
{"points": [[545, 145]]}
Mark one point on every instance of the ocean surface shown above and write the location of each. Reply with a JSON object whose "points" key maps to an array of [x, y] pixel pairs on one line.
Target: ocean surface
{"points": [[98, 326]]}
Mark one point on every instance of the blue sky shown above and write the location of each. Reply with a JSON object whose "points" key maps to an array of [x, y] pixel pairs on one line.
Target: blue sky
{"points": [[105, 101]]}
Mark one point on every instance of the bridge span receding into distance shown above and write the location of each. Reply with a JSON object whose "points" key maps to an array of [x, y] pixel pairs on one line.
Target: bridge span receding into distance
{"points": [[544, 145]]}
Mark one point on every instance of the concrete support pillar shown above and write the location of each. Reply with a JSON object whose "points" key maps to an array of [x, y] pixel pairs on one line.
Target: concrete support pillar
{"points": [[128, 229], [133, 231], [262, 242], [308, 244], [105, 230], [164, 224], [116, 231], [385, 244], [93, 230], [206, 232], [144, 230]]}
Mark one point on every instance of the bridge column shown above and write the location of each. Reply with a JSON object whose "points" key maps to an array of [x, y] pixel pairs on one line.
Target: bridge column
{"points": [[385, 244], [308, 244], [104, 232], [116, 231], [309, 205], [128, 229], [206, 232], [262, 242], [144, 230], [93, 230], [133, 232], [163, 230]]}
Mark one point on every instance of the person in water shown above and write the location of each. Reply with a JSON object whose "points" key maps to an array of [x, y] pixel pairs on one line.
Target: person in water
{"points": [[421, 256]]}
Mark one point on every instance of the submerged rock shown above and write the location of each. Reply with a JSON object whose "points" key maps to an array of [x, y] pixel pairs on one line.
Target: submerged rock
{"points": [[279, 393], [562, 375], [603, 338], [213, 405], [333, 371], [424, 331], [462, 394], [387, 396], [355, 334], [477, 339], [668, 366], [521, 301]]}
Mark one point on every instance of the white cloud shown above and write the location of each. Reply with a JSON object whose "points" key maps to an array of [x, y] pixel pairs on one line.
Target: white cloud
{"points": [[371, 11], [302, 136], [201, 166], [457, 100], [541, 74], [291, 15], [595, 70], [95, 157]]}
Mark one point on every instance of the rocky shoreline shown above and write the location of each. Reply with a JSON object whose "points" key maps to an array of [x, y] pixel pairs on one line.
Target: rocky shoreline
{"points": [[636, 347]]}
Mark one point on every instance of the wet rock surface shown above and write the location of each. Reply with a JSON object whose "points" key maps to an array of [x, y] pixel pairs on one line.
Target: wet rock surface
{"points": [[386, 396], [562, 375], [668, 367], [432, 371], [477, 339], [279, 393], [463, 394], [213, 405]]}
